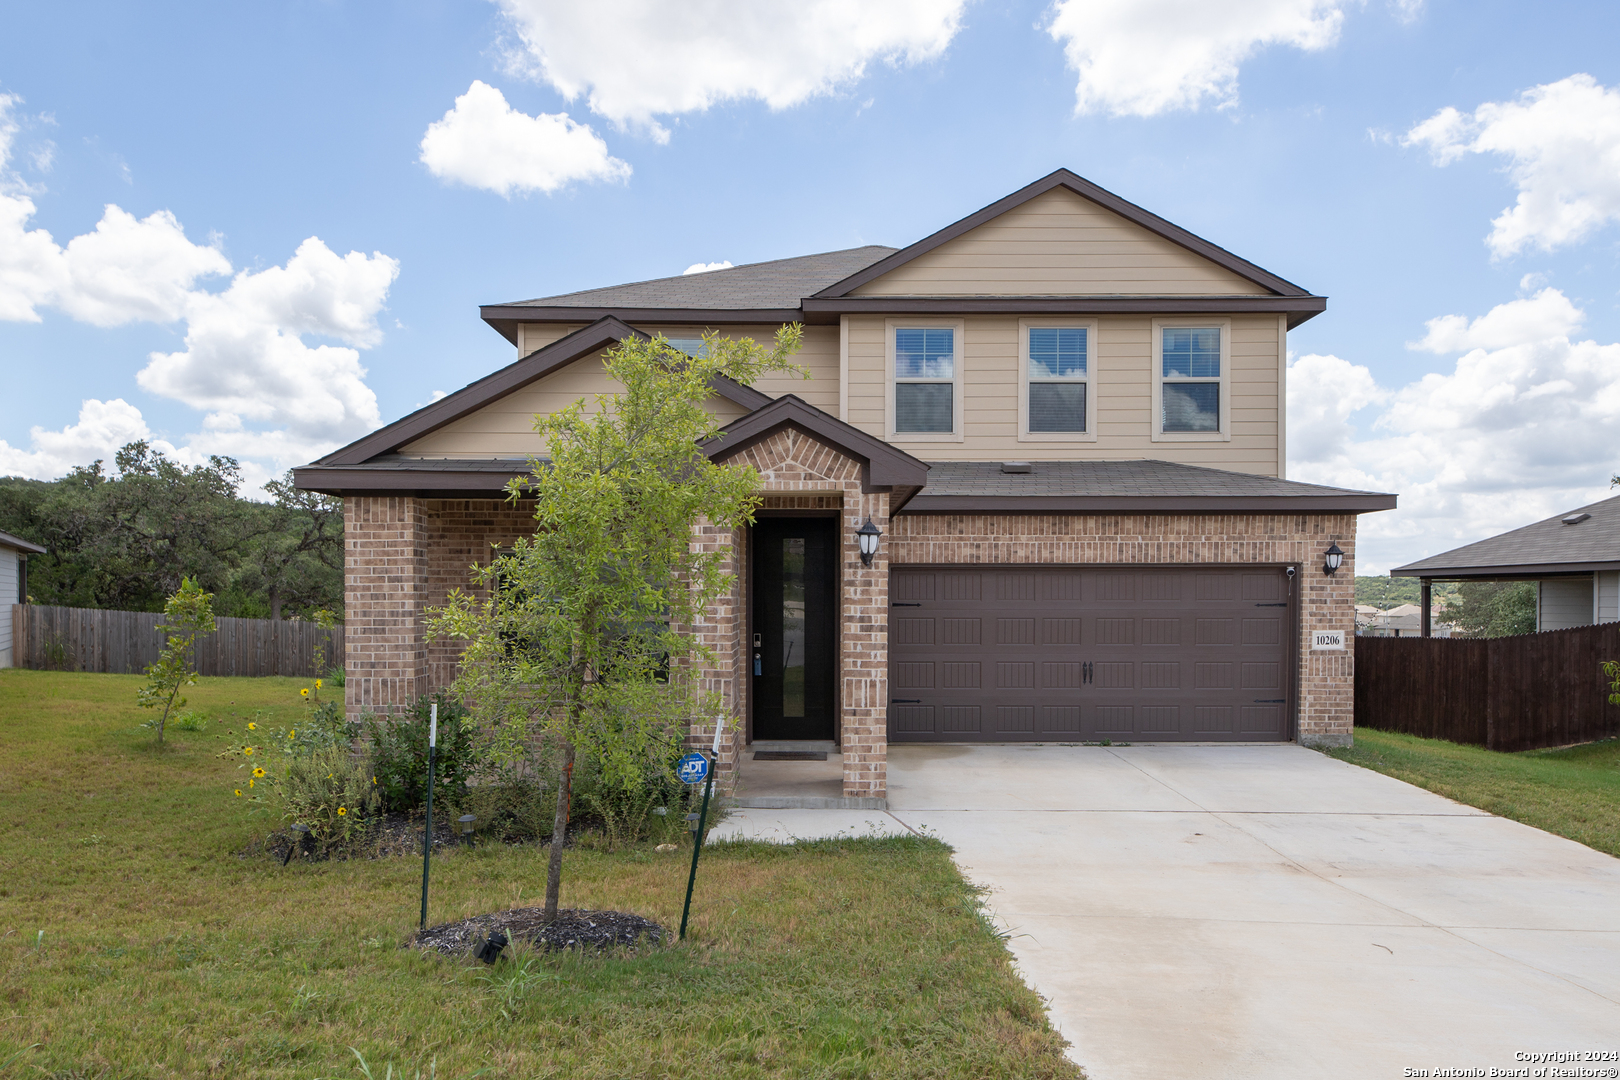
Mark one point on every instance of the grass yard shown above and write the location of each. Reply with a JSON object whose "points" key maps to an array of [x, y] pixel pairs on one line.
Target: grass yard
{"points": [[135, 942], [1573, 792]]}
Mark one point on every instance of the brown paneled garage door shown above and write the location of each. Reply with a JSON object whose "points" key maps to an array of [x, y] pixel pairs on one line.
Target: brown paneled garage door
{"points": [[1058, 654]]}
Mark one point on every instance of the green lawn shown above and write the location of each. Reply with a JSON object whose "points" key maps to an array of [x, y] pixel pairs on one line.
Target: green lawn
{"points": [[1573, 792], [135, 942]]}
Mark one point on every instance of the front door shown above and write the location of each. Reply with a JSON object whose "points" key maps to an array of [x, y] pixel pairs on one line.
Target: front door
{"points": [[795, 604]]}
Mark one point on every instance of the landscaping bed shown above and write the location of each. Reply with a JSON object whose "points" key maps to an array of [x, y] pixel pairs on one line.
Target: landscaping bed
{"points": [[1573, 792], [134, 942]]}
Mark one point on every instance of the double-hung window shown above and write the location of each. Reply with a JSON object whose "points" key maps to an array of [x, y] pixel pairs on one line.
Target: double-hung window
{"points": [[1191, 372], [1057, 402], [925, 389]]}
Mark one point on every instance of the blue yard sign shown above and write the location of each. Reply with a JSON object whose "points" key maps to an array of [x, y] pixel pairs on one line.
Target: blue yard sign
{"points": [[692, 769]]}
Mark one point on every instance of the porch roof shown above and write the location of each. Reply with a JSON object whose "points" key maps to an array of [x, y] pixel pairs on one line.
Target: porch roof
{"points": [[1069, 487]]}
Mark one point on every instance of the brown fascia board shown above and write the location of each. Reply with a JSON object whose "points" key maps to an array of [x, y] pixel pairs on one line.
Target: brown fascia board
{"points": [[885, 467], [505, 317], [1150, 504], [7, 540], [1086, 190], [1503, 573], [1297, 308], [435, 484], [514, 376]]}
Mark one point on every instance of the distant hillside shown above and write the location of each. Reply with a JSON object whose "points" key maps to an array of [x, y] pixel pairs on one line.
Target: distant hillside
{"points": [[1387, 592]]}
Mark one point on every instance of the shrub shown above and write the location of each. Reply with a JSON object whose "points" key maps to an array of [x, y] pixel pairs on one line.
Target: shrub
{"points": [[330, 791], [399, 751]]}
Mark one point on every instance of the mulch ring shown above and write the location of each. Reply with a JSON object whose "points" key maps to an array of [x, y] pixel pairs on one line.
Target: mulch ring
{"points": [[573, 929]]}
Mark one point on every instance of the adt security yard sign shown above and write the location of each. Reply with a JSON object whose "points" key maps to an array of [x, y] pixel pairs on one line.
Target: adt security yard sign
{"points": [[1328, 640], [692, 769]]}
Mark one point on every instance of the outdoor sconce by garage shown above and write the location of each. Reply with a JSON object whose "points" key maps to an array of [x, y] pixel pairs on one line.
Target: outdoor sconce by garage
{"points": [[1332, 559], [868, 536]]}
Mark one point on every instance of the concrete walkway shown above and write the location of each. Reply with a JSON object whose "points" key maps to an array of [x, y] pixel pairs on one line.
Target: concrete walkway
{"points": [[1263, 911]]}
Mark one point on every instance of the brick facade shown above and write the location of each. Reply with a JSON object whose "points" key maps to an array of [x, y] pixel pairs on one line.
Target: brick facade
{"points": [[406, 554], [1326, 679]]}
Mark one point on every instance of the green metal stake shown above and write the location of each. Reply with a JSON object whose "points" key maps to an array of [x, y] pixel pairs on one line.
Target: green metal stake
{"points": [[703, 817], [427, 834]]}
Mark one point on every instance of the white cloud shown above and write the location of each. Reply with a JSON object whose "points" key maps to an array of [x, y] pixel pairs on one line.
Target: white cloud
{"points": [[1547, 314], [1562, 142], [245, 357], [1146, 57], [485, 143], [704, 268], [1521, 428], [103, 427], [635, 60]]}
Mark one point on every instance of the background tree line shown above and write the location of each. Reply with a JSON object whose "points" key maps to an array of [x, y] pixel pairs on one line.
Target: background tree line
{"points": [[125, 540]]}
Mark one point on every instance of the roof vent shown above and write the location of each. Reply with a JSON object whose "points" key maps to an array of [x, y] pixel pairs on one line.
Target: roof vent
{"points": [[1017, 467], [1575, 519]]}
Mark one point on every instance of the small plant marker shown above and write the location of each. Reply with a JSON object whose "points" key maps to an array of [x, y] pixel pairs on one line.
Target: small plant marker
{"points": [[688, 771], [427, 833]]}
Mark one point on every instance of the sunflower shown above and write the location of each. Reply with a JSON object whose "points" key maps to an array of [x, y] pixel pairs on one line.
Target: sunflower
{"points": [[238, 793], [251, 783], [258, 772], [342, 811], [252, 726], [317, 684], [247, 751], [304, 692], [293, 733]]}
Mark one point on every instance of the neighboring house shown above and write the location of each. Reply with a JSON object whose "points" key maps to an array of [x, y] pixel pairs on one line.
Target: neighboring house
{"points": [[14, 554], [1573, 560], [1402, 620], [1066, 417]]}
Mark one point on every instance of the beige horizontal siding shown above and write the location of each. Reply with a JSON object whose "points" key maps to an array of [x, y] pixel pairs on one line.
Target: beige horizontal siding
{"points": [[505, 428], [818, 354], [532, 336], [1059, 244], [1123, 384]]}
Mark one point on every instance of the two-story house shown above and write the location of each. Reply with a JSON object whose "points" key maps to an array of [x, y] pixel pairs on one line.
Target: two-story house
{"points": [[1064, 414]]}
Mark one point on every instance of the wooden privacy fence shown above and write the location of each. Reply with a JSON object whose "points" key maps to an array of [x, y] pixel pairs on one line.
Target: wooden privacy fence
{"points": [[124, 642], [1511, 693]]}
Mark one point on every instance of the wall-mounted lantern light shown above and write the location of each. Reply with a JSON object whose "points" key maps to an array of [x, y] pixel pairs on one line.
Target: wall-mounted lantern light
{"points": [[868, 536], [1332, 559]]}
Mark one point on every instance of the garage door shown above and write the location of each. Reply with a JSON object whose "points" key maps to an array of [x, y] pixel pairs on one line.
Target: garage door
{"points": [[1017, 653]]}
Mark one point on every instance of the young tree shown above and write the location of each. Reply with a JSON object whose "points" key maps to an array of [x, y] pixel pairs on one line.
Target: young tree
{"points": [[188, 614], [584, 630], [1489, 609]]}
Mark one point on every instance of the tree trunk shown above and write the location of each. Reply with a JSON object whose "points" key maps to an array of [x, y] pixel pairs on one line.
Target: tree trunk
{"points": [[275, 603], [559, 830]]}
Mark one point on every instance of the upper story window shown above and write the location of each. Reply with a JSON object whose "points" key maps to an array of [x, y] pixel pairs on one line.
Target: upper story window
{"points": [[925, 384], [1191, 374], [1057, 402], [689, 346]]}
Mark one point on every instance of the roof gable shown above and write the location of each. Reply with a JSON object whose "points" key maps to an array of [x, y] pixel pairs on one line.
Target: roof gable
{"points": [[945, 262], [559, 354], [883, 467]]}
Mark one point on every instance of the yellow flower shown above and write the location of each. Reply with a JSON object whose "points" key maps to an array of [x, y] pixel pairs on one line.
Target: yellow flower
{"points": [[293, 733], [317, 684], [258, 772], [238, 793], [250, 783], [247, 751], [373, 779], [342, 811], [304, 691], [252, 726]]}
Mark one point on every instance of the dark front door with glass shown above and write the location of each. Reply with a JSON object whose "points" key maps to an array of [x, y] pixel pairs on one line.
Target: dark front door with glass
{"points": [[795, 602]]}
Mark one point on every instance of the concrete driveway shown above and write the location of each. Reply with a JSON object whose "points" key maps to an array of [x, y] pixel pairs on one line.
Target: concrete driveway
{"points": [[1264, 911]]}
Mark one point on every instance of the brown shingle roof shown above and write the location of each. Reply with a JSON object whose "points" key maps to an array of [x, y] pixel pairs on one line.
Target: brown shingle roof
{"points": [[1546, 546]]}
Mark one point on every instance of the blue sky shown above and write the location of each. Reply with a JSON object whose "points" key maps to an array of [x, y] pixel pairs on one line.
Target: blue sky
{"points": [[1307, 135]]}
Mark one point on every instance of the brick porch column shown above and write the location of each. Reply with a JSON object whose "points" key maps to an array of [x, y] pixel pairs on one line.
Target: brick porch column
{"points": [[385, 591], [864, 648]]}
